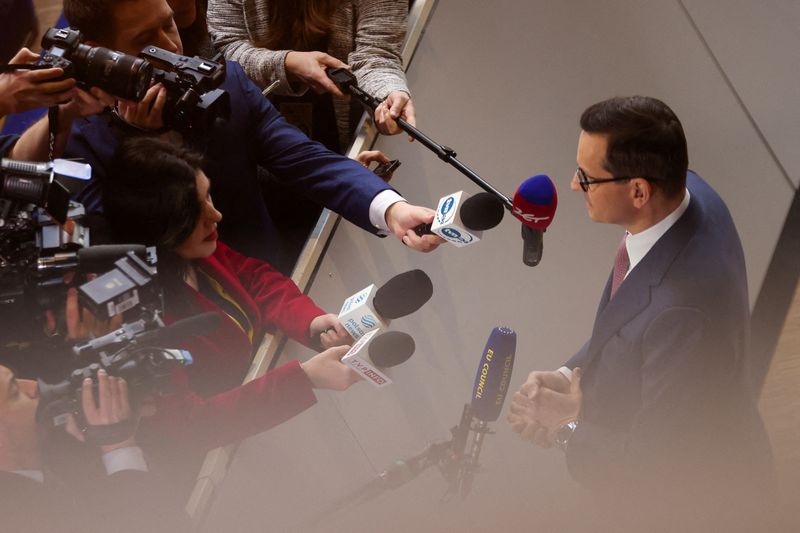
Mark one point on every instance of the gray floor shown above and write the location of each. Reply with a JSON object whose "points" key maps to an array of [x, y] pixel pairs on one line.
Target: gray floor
{"points": [[504, 83]]}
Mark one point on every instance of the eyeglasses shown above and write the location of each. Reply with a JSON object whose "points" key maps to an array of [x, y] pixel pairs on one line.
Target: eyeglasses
{"points": [[585, 181]]}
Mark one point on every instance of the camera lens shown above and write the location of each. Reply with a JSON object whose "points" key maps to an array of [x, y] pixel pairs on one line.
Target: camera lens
{"points": [[120, 74]]}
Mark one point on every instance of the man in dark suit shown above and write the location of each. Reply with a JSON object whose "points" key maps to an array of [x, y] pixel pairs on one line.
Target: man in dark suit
{"points": [[121, 495], [654, 412], [255, 134]]}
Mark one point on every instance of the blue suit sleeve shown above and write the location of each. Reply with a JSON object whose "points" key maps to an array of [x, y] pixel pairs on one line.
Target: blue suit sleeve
{"points": [[330, 179]]}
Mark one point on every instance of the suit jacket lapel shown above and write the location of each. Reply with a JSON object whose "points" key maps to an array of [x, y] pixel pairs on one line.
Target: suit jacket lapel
{"points": [[635, 292]]}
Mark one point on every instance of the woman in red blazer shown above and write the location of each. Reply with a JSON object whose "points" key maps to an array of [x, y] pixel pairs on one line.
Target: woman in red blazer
{"points": [[160, 197]]}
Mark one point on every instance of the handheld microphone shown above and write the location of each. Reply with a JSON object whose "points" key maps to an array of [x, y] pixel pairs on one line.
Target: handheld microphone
{"points": [[488, 394], [461, 219], [534, 205], [375, 351], [372, 308]]}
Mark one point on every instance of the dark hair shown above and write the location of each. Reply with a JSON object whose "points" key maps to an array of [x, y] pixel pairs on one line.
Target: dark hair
{"points": [[645, 139], [302, 25], [150, 197], [195, 37], [91, 17]]}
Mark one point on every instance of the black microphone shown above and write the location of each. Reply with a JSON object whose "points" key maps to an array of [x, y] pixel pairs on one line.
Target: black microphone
{"points": [[376, 351], [195, 325], [96, 258], [178, 331], [460, 219], [535, 205], [372, 308], [488, 394]]}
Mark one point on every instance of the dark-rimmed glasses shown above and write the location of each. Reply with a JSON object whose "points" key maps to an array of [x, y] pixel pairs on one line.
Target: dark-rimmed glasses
{"points": [[585, 181]]}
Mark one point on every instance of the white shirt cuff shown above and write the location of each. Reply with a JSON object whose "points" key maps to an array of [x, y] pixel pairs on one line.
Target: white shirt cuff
{"points": [[567, 372], [130, 458], [377, 209]]}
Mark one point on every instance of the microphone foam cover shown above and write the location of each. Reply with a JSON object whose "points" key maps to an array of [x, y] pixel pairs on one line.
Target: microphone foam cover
{"points": [[403, 294], [391, 348], [193, 326], [481, 212], [535, 202], [494, 374], [103, 256]]}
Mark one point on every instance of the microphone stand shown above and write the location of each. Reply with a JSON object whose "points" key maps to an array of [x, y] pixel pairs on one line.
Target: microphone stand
{"points": [[346, 81], [447, 455]]}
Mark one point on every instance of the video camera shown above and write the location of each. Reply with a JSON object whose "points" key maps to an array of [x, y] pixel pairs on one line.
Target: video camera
{"points": [[194, 101], [134, 352], [116, 73], [37, 248]]}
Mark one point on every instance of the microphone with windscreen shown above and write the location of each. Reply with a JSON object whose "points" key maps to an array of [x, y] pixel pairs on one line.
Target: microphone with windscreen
{"points": [[372, 308], [535, 205], [461, 219], [488, 395], [376, 351], [96, 258]]}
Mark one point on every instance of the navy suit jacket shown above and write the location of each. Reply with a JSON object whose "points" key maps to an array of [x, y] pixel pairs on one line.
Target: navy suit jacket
{"points": [[256, 134], [665, 389]]}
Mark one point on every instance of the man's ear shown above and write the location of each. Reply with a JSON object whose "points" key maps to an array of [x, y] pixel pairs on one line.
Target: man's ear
{"points": [[641, 191]]}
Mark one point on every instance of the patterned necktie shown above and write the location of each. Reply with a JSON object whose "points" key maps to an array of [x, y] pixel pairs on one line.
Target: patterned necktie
{"points": [[621, 264]]}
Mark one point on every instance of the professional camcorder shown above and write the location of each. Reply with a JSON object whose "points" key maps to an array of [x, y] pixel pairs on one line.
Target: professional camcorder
{"points": [[194, 100], [134, 352], [119, 74]]}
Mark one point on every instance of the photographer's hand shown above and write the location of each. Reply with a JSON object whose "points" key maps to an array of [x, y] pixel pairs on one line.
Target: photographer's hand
{"points": [[147, 113], [111, 406], [82, 324], [23, 90]]}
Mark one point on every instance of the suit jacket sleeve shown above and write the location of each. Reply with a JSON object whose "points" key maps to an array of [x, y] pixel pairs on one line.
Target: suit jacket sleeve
{"points": [[673, 374], [279, 300], [330, 179], [256, 406]]}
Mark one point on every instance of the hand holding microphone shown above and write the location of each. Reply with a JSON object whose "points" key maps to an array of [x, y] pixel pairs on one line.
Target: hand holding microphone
{"points": [[461, 219]]}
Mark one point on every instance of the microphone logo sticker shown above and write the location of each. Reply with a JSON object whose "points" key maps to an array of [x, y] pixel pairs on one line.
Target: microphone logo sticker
{"points": [[529, 217], [369, 321], [444, 212], [455, 235]]}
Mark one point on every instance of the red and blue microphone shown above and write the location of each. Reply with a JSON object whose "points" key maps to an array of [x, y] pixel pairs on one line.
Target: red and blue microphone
{"points": [[534, 205]]}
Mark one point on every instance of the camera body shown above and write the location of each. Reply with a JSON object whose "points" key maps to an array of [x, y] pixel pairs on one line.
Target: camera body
{"points": [[194, 101], [116, 73]]}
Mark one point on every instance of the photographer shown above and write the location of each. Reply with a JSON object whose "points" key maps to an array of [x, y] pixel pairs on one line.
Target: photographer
{"points": [[123, 497], [23, 90]]}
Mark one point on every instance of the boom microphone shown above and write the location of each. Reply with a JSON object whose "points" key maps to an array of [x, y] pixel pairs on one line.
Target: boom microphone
{"points": [[372, 308], [535, 205], [374, 351], [488, 394]]}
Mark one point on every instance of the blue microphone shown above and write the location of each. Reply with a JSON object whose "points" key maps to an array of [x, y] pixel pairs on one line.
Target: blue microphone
{"points": [[488, 395]]}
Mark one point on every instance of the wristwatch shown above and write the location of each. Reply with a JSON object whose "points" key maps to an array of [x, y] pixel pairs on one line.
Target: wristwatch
{"points": [[564, 433]]}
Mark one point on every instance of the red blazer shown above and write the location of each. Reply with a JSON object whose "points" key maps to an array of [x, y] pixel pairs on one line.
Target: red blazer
{"points": [[270, 300]]}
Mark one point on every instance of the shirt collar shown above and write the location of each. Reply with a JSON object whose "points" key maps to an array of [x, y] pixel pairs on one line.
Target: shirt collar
{"points": [[638, 245], [36, 475]]}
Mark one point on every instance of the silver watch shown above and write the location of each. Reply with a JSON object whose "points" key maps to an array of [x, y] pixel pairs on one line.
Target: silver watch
{"points": [[564, 433]]}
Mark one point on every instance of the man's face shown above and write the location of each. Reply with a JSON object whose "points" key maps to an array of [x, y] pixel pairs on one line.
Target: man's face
{"points": [[138, 23], [605, 202], [19, 399]]}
